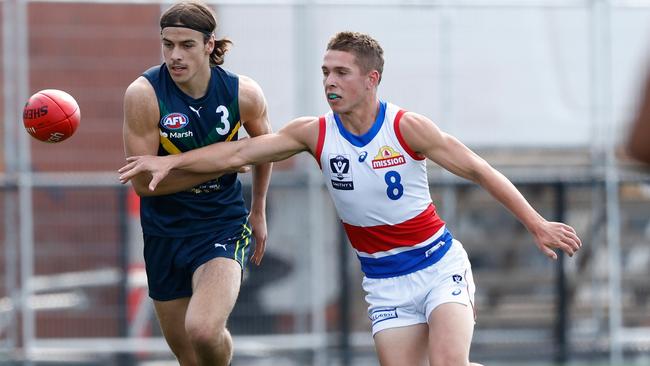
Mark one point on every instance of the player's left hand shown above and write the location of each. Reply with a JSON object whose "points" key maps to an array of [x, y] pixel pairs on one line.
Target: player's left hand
{"points": [[257, 220], [556, 235]]}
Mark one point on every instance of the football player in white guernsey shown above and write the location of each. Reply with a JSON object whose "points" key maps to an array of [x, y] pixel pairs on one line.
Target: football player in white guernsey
{"points": [[417, 277]]}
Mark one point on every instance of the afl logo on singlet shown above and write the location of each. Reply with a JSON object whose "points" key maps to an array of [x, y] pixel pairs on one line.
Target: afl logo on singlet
{"points": [[174, 121]]}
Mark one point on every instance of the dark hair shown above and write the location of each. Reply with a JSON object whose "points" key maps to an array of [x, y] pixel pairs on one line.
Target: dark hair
{"points": [[197, 16], [368, 52]]}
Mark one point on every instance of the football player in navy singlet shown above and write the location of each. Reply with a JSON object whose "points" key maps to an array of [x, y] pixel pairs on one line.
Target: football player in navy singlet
{"points": [[372, 154], [197, 230]]}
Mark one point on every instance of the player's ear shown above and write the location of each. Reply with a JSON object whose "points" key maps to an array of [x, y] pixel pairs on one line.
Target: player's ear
{"points": [[210, 44], [373, 79]]}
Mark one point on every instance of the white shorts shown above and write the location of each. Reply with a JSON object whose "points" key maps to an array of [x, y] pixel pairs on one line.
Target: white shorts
{"points": [[409, 299]]}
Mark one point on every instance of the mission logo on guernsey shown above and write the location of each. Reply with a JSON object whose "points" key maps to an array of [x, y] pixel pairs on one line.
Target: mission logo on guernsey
{"points": [[387, 157]]}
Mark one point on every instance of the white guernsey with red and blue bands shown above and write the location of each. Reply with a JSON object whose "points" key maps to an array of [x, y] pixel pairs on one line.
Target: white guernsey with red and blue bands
{"points": [[381, 193]]}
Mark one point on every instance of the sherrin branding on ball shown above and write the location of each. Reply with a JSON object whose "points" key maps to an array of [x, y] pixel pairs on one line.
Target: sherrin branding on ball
{"points": [[51, 115]]}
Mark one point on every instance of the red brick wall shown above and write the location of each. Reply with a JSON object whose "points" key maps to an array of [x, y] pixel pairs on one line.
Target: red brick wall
{"points": [[2, 80], [92, 51]]}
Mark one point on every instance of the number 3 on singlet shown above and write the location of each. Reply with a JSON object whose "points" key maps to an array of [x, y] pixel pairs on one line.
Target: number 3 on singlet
{"points": [[224, 126], [395, 189]]}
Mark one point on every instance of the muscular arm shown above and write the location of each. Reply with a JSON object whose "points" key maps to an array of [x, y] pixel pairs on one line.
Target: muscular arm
{"points": [[141, 137], [298, 135], [424, 137], [255, 120]]}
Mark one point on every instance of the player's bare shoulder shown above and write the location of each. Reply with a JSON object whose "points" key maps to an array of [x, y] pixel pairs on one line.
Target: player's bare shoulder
{"points": [[416, 121], [252, 103], [140, 102], [141, 115], [140, 89], [418, 131]]}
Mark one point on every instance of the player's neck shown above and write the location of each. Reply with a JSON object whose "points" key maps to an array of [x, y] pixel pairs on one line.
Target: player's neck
{"points": [[197, 86], [360, 119]]}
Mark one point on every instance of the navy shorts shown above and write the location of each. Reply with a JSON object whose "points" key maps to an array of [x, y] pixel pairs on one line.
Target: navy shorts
{"points": [[171, 262]]}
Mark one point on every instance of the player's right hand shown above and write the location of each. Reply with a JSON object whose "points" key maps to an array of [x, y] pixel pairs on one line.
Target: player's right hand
{"points": [[157, 166]]}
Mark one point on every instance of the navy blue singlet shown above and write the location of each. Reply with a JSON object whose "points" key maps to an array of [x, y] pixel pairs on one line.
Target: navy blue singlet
{"points": [[185, 124]]}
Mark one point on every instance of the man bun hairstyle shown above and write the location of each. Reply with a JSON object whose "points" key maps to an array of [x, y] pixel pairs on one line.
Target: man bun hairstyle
{"points": [[368, 52], [197, 16]]}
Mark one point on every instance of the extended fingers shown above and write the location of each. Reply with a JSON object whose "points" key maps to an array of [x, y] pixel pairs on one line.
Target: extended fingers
{"points": [[573, 237], [155, 179], [569, 243], [128, 171], [569, 228], [548, 252], [126, 167], [260, 246], [256, 258], [573, 241], [568, 247]]}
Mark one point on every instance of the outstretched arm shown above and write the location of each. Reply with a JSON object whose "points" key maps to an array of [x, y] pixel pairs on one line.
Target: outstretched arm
{"points": [[299, 135], [142, 137], [424, 137]]}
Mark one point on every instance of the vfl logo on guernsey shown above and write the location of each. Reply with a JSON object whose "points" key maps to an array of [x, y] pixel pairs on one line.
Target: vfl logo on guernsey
{"points": [[387, 157], [340, 172], [174, 121]]}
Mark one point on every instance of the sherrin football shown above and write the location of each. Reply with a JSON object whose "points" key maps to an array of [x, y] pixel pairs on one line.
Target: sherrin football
{"points": [[51, 115]]}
